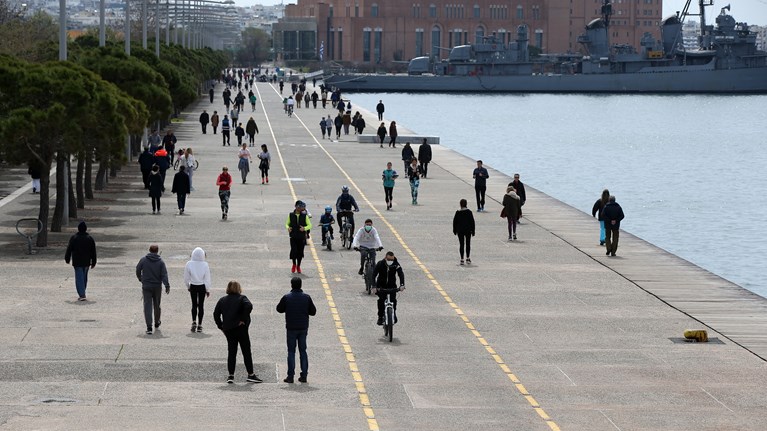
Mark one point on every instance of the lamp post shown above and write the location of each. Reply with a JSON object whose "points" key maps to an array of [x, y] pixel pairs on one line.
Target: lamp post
{"points": [[102, 24]]}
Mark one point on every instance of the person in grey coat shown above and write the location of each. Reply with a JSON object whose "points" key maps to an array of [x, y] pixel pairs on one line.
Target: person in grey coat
{"points": [[152, 274]]}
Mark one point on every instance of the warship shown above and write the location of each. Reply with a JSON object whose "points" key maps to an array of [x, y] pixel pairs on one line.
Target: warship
{"points": [[726, 61]]}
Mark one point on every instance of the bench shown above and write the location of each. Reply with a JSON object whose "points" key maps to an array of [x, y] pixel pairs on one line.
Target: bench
{"points": [[401, 139]]}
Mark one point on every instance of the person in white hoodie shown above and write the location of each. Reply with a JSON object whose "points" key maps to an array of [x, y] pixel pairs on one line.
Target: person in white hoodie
{"points": [[197, 280]]}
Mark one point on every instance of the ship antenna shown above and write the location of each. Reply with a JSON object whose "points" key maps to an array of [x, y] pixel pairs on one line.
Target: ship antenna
{"points": [[607, 12]]}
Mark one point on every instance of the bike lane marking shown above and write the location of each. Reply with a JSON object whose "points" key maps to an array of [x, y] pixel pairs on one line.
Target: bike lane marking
{"points": [[340, 330], [469, 324]]}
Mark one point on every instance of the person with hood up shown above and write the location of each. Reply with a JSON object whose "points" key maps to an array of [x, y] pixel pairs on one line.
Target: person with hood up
{"points": [[424, 157], [511, 208], [463, 227], [81, 251], [381, 133], [385, 276], [153, 274], [197, 281], [251, 129], [232, 316], [181, 187], [407, 155], [155, 188], [597, 209]]}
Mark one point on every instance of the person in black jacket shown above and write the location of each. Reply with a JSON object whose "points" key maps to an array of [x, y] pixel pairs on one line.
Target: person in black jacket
{"points": [[145, 161], [297, 306], [612, 214], [520, 189], [597, 208], [424, 157], [181, 188], [385, 276], [155, 188], [463, 226], [232, 316], [82, 252], [407, 155]]}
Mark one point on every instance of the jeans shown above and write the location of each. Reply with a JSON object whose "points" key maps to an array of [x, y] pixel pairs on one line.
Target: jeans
{"points": [[197, 292], [297, 336], [152, 297], [225, 136], [81, 280], [464, 238], [512, 226], [601, 231], [480, 192], [414, 189], [204, 128], [181, 198], [424, 168], [234, 337]]}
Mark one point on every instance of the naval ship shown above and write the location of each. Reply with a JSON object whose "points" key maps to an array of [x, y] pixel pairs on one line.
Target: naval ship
{"points": [[726, 61]]}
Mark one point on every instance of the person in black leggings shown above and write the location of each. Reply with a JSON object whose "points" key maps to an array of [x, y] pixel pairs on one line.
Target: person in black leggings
{"points": [[232, 315], [463, 226], [197, 280]]}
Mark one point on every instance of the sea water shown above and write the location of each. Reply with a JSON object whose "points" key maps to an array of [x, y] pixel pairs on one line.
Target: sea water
{"points": [[688, 170]]}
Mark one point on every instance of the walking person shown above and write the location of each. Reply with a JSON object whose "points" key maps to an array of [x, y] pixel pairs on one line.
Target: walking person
{"points": [[346, 121], [265, 159], [234, 114], [197, 281], [225, 128], [145, 161], [360, 125], [204, 120], [224, 182], [388, 177], [520, 188], [393, 134], [407, 155], [181, 187], [612, 214], [81, 251], [480, 176], [297, 307], [463, 227], [251, 129], [322, 127], [245, 159], [190, 163], [329, 126], [232, 316], [155, 188], [252, 99], [169, 144], [210, 94], [424, 157], [153, 274], [414, 176], [214, 121], [35, 173], [380, 110], [239, 132], [381, 133], [297, 224], [511, 209], [338, 123], [599, 205]]}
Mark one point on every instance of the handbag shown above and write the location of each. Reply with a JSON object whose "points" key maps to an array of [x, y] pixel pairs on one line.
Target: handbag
{"points": [[503, 212]]}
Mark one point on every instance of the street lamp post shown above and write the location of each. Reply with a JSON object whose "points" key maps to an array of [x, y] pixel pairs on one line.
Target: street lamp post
{"points": [[102, 24]]}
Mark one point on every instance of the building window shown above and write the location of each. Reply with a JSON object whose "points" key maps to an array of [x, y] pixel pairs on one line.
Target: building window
{"points": [[536, 13], [432, 11], [330, 11], [539, 38], [356, 10], [520, 12], [477, 11], [340, 44], [435, 42], [311, 11], [366, 44], [419, 42], [348, 11], [479, 33], [416, 10], [378, 37], [374, 10], [331, 43]]}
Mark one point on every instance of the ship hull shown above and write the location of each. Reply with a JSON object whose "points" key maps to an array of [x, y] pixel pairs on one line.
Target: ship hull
{"points": [[733, 81]]}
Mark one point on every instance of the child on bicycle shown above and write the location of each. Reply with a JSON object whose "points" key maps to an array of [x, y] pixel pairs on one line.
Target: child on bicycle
{"points": [[326, 221], [367, 238]]}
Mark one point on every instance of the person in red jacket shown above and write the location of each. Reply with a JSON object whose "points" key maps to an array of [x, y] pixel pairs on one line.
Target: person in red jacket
{"points": [[224, 182]]}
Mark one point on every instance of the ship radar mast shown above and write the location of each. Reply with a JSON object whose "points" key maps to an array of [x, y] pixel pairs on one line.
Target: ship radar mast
{"points": [[607, 13]]}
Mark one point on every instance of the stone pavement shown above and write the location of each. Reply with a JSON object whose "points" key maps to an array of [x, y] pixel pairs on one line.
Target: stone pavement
{"points": [[543, 333]]}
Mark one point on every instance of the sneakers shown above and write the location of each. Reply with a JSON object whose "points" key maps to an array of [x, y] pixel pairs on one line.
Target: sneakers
{"points": [[514, 237], [154, 212], [223, 216], [254, 379], [194, 327], [468, 260], [380, 321], [149, 331], [230, 380], [199, 328], [608, 253], [267, 180], [293, 269], [612, 254], [361, 271], [82, 298], [288, 379], [181, 211], [302, 379], [510, 238], [601, 243], [157, 324], [461, 262]]}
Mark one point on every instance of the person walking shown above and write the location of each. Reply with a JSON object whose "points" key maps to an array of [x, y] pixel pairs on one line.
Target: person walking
{"points": [[407, 155], [388, 176], [338, 123], [252, 99], [599, 205], [239, 132], [329, 127], [163, 163], [380, 110], [181, 187], [464, 228], [224, 182], [297, 224], [225, 128], [297, 307], [234, 114], [245, 159], [251, 129], [81, 251], [480, 176], [265, 159], [210, 94], [169, 144], [214, 121], [360, 125], [381, 133], [424, 157], [322, 127], [145, 162], [346, 121], [414, 176], [612, 214], [520, 188], [191, 165], [204, 120], [155, 188], [197, 281], [511, 209], [393, 134], [232, 316], [153, 274]]}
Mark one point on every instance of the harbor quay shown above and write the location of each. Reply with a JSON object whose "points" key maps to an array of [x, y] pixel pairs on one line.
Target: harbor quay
{"points": [[541, 333]]}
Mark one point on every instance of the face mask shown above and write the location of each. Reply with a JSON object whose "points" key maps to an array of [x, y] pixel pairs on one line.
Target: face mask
{"points": [[389, 262], [368, 228]]}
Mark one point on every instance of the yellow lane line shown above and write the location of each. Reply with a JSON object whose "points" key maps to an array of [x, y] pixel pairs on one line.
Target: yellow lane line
{"points": [[347, 348], [496, 358]]}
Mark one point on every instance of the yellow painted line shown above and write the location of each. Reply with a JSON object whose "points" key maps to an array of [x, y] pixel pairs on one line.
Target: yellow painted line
{"points": [[532, 402], [497, 358], [348, 352]]}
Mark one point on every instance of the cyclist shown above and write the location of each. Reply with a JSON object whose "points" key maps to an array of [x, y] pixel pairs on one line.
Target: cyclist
{"points": [[326, 221], [367, 237], [344, 205], [385, 277], [291, 103]]}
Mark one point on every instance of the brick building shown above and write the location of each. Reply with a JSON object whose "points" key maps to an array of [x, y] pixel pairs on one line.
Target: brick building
{"points": [[379, 31]]}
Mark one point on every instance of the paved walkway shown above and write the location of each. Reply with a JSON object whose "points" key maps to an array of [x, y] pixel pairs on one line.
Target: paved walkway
{"points": [[544, 333]]}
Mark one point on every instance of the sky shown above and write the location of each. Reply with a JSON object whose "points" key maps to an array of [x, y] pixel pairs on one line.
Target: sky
{"points": [[751, 11]]}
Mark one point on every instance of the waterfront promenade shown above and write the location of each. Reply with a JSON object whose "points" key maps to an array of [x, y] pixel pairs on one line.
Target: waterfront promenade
{"points": [[543, 333]]}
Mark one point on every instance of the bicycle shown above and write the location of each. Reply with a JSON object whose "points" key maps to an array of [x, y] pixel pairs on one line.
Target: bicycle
{"points": [[176, 163], [290, 110], [390, 317], [347, 236], [328, 237], [369, 274]]}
